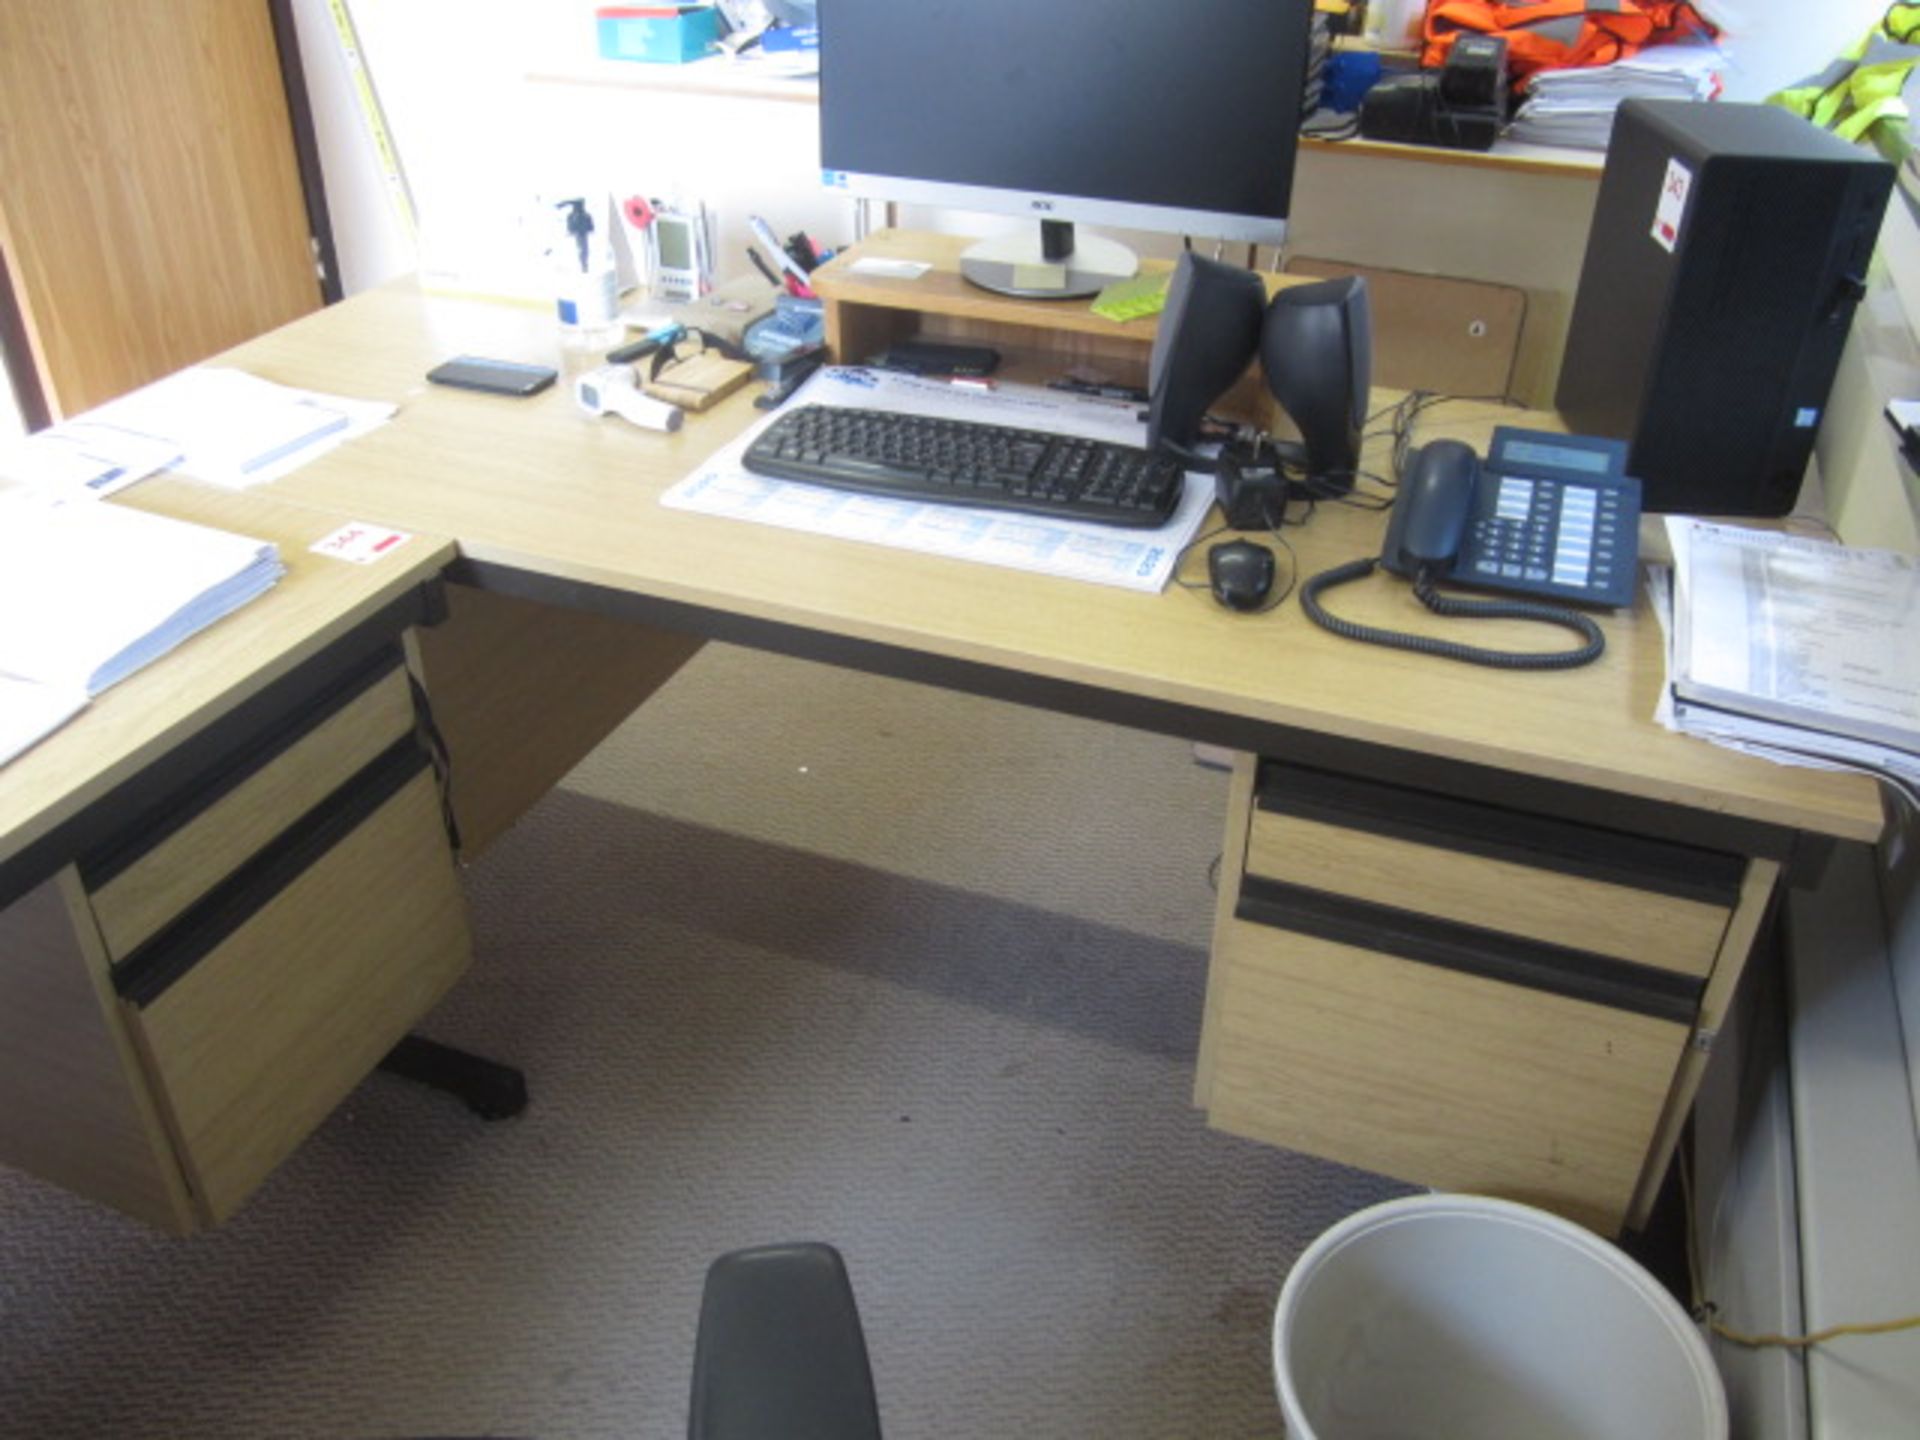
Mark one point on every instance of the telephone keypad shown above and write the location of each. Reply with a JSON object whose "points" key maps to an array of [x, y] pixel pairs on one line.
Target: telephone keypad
{"points": [[1563, 520]]}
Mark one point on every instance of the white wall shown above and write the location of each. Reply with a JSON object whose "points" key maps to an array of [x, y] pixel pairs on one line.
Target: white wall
{"points": [[479, 140], [372, 242], [1775, 43]]}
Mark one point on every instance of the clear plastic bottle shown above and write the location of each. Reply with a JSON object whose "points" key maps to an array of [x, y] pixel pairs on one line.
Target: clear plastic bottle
{"points": [[587, 283]]}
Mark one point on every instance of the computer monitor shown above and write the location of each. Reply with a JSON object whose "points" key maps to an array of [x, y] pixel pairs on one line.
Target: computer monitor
{"points": [[1142, 114]]}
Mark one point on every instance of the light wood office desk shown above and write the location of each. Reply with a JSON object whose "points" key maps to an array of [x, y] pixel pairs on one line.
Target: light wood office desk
{"points": [[225, 887], [576, 593]]}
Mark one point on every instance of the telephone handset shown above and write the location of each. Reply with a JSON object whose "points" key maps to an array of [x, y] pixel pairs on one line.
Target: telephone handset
{"points": [[1430, 513], [1547, 516]]}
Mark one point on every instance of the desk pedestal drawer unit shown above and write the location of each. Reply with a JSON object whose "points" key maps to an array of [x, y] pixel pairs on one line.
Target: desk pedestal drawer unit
{"points": [[1466, 995], [217, 971]]}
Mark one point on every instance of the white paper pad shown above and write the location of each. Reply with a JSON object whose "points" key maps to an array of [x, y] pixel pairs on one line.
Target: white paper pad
{"points": [[1074, 550], [889, 269], [235, 429]]}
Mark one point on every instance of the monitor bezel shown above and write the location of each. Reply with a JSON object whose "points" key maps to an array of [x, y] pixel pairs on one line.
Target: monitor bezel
{"points": [[1074, 207], [1077, 209]]}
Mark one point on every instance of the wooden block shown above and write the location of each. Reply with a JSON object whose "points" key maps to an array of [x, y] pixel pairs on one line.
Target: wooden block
{"points": [[697, 383]]}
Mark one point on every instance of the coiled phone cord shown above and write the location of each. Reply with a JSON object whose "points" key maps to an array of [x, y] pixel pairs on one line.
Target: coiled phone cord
{"points": [[1450, 605]]}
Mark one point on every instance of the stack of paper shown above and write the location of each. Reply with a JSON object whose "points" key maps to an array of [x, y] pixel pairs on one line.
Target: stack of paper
{"points": [[236, 429], [89, 593], [1802, 650], [1575, 107]]}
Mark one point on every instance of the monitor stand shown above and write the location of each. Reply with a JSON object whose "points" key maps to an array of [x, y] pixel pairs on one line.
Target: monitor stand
{"points": [[1048, 264]]}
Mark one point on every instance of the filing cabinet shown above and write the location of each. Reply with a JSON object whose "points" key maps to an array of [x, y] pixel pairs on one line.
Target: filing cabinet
{"points": [[203, 983], [1466, 995]]}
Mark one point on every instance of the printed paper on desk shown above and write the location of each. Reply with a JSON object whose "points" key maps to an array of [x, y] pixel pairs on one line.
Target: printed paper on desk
{"points": [[1071, 549], [235, 429], [362, 544], [84, 458]]}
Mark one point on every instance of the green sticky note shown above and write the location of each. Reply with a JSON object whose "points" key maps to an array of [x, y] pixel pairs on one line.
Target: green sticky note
{"points": [[1130, 299]]}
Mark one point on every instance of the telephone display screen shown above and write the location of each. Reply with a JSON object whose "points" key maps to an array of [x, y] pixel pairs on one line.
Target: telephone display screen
{"points": [[1561, 457]]}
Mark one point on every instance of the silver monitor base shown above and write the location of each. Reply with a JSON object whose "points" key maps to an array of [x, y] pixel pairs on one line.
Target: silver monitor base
{"points": [[1013, 265]]}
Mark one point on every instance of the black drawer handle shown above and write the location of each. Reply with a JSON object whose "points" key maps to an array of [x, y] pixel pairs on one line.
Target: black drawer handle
{"points": [[198, 795], [1489, 954], [145, 974], [1543, 842]]}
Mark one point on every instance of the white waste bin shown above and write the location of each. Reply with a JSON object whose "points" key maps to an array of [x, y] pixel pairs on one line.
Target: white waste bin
{"points": [[1456, 1317]]}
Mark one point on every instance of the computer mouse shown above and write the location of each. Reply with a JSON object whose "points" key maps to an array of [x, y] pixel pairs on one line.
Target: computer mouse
{"points": [[1241, 573]]}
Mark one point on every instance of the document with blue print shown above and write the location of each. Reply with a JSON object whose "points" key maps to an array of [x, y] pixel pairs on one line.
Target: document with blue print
{"points": [[1074, 550], [235, 430]]}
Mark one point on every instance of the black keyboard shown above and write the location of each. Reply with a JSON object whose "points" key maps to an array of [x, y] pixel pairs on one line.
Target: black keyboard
{"points": [[960, 462]]}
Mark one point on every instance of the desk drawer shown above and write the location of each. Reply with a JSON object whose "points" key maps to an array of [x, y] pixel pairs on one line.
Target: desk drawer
{"points": [[270, 1000], [1631, 897], [1435, 1075], [215, 821]]}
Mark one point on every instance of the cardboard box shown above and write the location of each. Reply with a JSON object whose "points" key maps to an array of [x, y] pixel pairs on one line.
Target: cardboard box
{"points": [[662, 34]]}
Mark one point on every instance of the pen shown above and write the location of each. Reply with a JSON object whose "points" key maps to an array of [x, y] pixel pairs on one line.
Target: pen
{"points": [[645, 345], [773, 275]]}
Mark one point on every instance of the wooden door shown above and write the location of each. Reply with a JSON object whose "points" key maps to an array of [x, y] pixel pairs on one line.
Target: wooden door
{"points": [[151, 211]]}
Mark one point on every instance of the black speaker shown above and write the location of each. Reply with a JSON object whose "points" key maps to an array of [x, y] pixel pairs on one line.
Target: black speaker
{"points": [[1728, 249], [1316, 349], [1209, 331]]}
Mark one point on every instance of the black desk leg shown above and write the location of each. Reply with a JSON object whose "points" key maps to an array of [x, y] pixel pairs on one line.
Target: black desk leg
{"points": [[491, 1090]]}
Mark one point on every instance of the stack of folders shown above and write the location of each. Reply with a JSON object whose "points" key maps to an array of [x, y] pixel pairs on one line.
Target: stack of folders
{"points": [[90, 592], [1575, 107], [1799, 649]]}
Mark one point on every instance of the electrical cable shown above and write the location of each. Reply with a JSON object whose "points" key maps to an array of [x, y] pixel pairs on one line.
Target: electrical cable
{"points": [[1705, 1312], [1451, 606]]}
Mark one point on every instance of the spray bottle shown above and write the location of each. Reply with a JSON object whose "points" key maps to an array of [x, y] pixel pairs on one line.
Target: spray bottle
{"points": [[589, 294]]}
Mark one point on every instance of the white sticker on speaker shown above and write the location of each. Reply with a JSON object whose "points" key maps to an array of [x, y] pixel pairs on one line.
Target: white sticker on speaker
{"points": [[1673, 205]]}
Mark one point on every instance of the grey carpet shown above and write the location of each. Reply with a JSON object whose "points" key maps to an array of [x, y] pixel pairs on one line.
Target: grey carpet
{"points": [[796, 954]]}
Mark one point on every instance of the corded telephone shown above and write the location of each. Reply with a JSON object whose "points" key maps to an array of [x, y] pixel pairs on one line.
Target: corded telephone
{"points": [[1548, 516]]}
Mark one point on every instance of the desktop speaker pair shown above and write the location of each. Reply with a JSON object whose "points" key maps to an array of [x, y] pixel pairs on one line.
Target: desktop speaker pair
{"points": [[1315, 347]]}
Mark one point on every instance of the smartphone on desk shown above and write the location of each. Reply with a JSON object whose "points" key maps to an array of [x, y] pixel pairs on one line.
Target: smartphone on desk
{"points": [[496, 377]]}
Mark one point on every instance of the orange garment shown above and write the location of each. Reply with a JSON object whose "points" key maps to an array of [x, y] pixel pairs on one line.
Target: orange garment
{"points": [[1560, 34]]}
